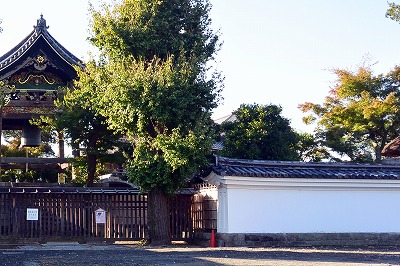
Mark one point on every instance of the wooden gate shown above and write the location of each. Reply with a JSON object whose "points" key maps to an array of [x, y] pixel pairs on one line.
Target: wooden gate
{"points": [[69, 213]]}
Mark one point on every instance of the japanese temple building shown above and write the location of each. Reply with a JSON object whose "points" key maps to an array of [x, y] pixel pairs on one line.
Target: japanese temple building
{"points": [[37, 68]]}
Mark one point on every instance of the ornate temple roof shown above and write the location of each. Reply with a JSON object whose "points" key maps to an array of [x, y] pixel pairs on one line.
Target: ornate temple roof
{"points": [[284, 169], [37, 68], [39, 40]]}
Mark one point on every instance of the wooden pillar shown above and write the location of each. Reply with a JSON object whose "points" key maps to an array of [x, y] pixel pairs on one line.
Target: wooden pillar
{"points": [[61, 155], [26, 155], [61, 148], [75, 153]]}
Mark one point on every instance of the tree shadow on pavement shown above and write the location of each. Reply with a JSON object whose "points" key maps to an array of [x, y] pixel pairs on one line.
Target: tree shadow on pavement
{"points": [[194, 256], [250, 256]]}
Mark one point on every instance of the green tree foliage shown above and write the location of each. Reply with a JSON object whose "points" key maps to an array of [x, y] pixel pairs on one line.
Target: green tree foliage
{"points": [[154, 86], [85, 127], [393, 12], [12, 148], [311, 149], [360, 115], [260, 132]]}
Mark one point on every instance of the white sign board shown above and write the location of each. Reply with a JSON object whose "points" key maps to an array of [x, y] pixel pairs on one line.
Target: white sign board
{"points": [[32, 214], [100, 216]]}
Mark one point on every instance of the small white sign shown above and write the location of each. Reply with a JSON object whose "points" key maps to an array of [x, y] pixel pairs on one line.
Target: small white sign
{"points": [[100, 216], [32, 214]]}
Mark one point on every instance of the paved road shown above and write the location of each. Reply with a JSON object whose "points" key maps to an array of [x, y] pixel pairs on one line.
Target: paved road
{"points": [[76, 254]]}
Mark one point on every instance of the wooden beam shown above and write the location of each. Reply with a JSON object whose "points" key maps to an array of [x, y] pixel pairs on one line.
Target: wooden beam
{"points": [[31, 166], [30, 160]]}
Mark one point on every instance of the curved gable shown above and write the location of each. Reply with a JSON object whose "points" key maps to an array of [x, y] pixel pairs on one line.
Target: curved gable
{"points": [[39, 45]]}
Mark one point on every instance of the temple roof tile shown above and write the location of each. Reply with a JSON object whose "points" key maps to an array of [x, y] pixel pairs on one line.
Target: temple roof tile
{"points": [[39, 31]]}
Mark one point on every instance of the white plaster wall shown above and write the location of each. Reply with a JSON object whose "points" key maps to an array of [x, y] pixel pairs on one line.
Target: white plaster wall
{"points": [[299, 208]]}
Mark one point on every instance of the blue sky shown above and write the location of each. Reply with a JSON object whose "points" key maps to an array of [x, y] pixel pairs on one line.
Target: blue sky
{"points": [[274, 51]]}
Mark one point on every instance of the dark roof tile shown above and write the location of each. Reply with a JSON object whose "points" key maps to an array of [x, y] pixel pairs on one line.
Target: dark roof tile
{"points": [[281, 169]]}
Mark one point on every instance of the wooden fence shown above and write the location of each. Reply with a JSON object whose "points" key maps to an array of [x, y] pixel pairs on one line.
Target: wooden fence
{"points": [[204, 212], [70, 213]]}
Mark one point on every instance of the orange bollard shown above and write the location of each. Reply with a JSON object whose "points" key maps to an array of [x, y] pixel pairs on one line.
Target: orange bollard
{"points": [[213, 241]]}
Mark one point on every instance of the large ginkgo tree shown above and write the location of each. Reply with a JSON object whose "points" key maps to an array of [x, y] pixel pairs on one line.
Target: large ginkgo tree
{"points": [[153, 84]]}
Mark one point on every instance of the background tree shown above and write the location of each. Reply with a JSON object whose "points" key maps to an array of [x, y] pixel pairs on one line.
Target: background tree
{"points": [[12, 148], [153, 85], [260, 132], [393, 11], [360, 115], [85, 128], [311, 149]]}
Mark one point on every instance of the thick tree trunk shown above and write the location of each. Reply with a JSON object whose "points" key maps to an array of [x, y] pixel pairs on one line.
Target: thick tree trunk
{"points": [[378, 156], [91, 160], [378, 151], [158, 218]]}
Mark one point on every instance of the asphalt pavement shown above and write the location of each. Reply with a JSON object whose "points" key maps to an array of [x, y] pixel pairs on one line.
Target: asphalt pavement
{"points": [[127, 254]]}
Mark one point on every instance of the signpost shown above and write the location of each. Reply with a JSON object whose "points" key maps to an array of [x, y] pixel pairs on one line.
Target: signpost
{"points": [[32, 214], [100, 216]]}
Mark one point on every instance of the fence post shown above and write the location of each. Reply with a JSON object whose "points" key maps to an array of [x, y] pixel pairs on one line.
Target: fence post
{"points": [[14, 219]]}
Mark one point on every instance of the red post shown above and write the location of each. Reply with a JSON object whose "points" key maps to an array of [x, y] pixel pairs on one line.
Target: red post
{"points": [[213, 241]]}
